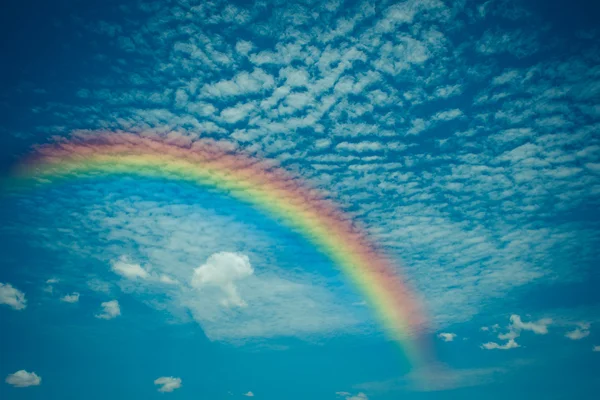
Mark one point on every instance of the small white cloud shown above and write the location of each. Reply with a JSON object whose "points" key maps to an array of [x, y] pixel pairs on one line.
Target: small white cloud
{"points": [[484, 329], [596, 348], [52, 280], [447, 337], [111, 309], [349, 396], [249, 394], [222, 270], [129, 270], [516, 326], [70, 298], [539, 327], [511, 344], [23, 378], [582, 331], [12, 297], [168, 383]]}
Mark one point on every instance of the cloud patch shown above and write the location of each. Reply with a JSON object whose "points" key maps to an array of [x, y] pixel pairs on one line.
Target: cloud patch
{"points": [[167, 383], [447, 337], [70, 298], [511, 344], [23, 379], [582, 331], [12, 296], [222, 270], [110, 310]]}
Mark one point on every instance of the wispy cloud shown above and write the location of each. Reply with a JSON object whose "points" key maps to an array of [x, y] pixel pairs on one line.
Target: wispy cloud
{"points": [[582, 331], [167, 383]]}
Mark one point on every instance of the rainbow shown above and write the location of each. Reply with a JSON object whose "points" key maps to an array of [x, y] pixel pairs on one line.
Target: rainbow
{"points": [[258, 182]]}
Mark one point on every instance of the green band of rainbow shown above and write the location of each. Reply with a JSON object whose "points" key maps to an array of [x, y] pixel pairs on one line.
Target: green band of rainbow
{"points": [[264, 186]]}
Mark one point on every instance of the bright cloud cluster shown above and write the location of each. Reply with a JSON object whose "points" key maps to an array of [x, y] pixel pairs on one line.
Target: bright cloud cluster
{"points": [[515, 328]]}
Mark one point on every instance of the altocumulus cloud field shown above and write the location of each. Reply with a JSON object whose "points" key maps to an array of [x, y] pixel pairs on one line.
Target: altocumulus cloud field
{"points": [[299, 199]]}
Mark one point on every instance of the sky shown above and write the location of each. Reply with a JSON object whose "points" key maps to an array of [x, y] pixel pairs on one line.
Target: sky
{"points": [[462, 137]]}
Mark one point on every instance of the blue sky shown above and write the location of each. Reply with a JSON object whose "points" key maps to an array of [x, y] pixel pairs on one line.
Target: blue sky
{"points": [[463, 135]]}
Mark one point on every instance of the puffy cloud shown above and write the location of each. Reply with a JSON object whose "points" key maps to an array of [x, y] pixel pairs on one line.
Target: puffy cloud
{"points": [[515, 328], [23, 378], [447, 337], [111, 309], [516, 325], [134, 271], [249, 394], [539, 327], [12, 296], [511, 344], [70, 298], [223, 270], [129, 270], [167, 383], [596, 348]]}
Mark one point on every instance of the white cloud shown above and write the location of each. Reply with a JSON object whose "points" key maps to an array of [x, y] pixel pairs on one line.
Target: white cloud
{"points": [[511, 344], [135, 271], [418, 126], [129, 270], [237, 113], [111, 309], [222, 270], [596, 348], [349, 396], [515, 328], [447, 337], [249, 394], [12, 296], [360, 146], [243, 83], [448, 115], [70, 298], [23, 378], [582, 331], [168, 383], [539, 327]]}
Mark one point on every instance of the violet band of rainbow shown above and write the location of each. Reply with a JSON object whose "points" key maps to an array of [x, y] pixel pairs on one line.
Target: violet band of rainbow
{"points": [[266, 187]]}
